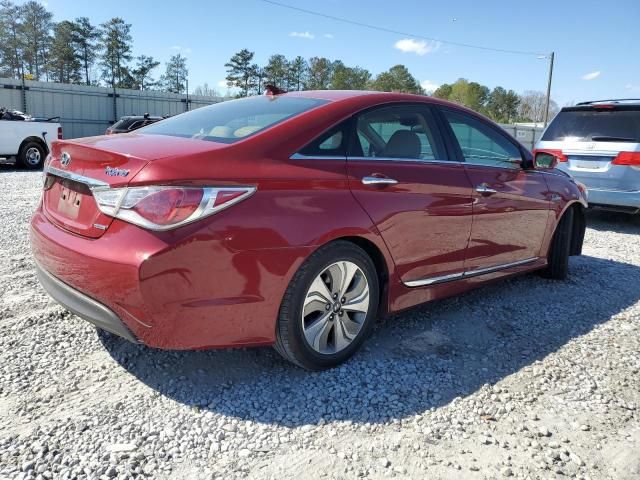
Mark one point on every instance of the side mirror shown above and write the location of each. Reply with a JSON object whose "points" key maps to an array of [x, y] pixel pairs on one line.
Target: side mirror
{"points": [[545, 161]]}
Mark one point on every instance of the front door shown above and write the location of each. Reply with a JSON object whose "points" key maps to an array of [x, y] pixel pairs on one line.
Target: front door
{"points": [[420, 202], [510, 204]]}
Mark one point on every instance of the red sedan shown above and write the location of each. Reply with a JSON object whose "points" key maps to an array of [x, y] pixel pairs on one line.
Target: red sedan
{"points": [[295, 220]]}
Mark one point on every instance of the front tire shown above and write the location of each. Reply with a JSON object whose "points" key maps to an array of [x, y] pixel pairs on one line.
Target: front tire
{"points": [[329, 307], [560, 249], [31, 156]]}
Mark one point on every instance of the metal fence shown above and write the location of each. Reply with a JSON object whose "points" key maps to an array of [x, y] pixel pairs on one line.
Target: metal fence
{"points": [[526, 134], [85, 110]]}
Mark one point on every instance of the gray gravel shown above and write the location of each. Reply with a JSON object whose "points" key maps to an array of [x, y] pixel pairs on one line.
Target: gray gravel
{"points": [[527, 378]]}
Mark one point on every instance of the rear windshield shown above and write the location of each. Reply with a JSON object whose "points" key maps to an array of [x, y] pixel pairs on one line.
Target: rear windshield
{"points": [[233, 120], [595, 125], [123, 124]]}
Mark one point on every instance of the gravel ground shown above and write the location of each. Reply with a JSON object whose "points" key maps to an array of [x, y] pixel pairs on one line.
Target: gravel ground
{"points": [[527, 378]]}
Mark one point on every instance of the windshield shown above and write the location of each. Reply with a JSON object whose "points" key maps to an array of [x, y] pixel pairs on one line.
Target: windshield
{"points": [[233, 120], [595, 125]]}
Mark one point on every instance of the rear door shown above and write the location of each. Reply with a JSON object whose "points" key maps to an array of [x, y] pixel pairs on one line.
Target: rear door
{"points": [[510, 204], [420, 202]]}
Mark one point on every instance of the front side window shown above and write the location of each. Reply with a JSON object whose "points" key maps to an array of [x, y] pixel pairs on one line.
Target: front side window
{"points": [[481, 144], [398, 132], [230, 121]]}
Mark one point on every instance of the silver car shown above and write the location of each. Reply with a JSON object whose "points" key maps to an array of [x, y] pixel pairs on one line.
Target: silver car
{"points": [[598, 144]]}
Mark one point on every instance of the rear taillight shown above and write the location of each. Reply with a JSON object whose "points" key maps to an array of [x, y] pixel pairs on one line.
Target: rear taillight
{"points": [[59, 133], [556, 153], [164, 208], [627, 158]]}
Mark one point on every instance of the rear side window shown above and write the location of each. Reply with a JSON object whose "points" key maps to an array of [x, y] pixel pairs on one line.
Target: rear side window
{"points": [[330, 144], [398, 132], [481, 144], [595, 125], [230, 121]]}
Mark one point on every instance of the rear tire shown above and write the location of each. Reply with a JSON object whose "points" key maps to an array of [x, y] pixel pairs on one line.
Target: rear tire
{"points": [[31, 156], [316, 332], [560, 249]]}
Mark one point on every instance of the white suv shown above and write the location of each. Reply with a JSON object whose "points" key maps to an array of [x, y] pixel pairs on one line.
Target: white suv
{"points": [[598, 144]]}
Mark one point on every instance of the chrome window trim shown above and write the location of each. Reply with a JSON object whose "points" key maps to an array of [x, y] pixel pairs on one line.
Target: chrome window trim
{"points": [[398, 159], [300, 156], [90, 182], [467, 274]]}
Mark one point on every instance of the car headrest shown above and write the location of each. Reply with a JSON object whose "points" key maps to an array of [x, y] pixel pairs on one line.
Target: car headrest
{"points": [[403, 144]]}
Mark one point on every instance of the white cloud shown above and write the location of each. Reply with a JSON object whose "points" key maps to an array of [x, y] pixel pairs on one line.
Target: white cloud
{"points": [[223, 84], [181, 50], [307, 35], [591, 75], [419, 47], [429, 86], [328, 35]]}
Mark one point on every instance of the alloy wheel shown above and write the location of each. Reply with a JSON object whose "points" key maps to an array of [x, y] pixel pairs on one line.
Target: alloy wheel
{"points": [[33, 156], [335, 307]]}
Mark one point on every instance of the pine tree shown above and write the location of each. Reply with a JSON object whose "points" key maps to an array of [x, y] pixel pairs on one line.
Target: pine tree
{"points": [[11, 39], [85, 37], [241, 72], [64, 63], [36, 31], [142, 73], [116, 37], [175, 77]]}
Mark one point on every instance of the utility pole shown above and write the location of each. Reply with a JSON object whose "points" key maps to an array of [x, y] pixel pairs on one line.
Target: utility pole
{"points": [[546, 108]]}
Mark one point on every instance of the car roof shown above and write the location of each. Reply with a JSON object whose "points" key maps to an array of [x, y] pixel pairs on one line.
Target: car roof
{"points": [[364, 97]]}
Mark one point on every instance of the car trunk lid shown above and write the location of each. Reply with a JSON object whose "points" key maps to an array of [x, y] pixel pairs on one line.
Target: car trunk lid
{"points": [[77, 167]]}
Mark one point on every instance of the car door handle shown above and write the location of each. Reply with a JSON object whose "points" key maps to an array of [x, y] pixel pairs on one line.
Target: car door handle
{"points": [[378, 181], [485, 190]]}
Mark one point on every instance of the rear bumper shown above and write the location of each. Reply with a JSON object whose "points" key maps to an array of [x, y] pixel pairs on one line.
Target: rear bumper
{"points": [[83, 306], [180, 290], [613, 198]]}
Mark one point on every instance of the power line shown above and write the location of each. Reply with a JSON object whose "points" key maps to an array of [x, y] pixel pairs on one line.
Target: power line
{"points": [[397, 32]]}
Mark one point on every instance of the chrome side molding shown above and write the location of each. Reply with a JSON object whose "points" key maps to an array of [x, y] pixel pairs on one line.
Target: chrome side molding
{"points": [[471, 273]]}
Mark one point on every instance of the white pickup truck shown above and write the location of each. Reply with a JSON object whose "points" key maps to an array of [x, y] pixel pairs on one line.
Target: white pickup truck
{"points": [[26, 139]]}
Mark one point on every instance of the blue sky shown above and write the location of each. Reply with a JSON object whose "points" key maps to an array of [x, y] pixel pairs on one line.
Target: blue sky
{"points": [[595, 41]]}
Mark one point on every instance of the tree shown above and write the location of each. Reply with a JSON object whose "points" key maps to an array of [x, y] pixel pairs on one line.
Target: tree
{"points": [[443, 91], [64, 63], [469, 94], [349, 78], [175, 77], [319, 74], [116, 37], [206, 91], [502, 105], [142, 73], [397, 79], [277, 71], [532, 106], [11, 39], [36, 27], [85, 37], [297, 73], [241, 72]]}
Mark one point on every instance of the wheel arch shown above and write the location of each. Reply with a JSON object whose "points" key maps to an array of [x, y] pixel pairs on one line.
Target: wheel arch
{"points": [[578, 226], [380, 262], [34, 139]]}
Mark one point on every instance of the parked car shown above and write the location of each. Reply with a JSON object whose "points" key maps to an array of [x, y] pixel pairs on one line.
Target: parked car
{"points": [[27, 140], [598, 143], [295, 220], [130, 123]]}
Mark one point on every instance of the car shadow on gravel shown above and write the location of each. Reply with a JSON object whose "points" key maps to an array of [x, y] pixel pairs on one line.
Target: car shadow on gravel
{"points": [[415, 361], [605, 221]]}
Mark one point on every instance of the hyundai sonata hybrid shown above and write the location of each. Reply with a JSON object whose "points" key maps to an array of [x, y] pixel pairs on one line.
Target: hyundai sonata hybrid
{"points": [[295, 220]]}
